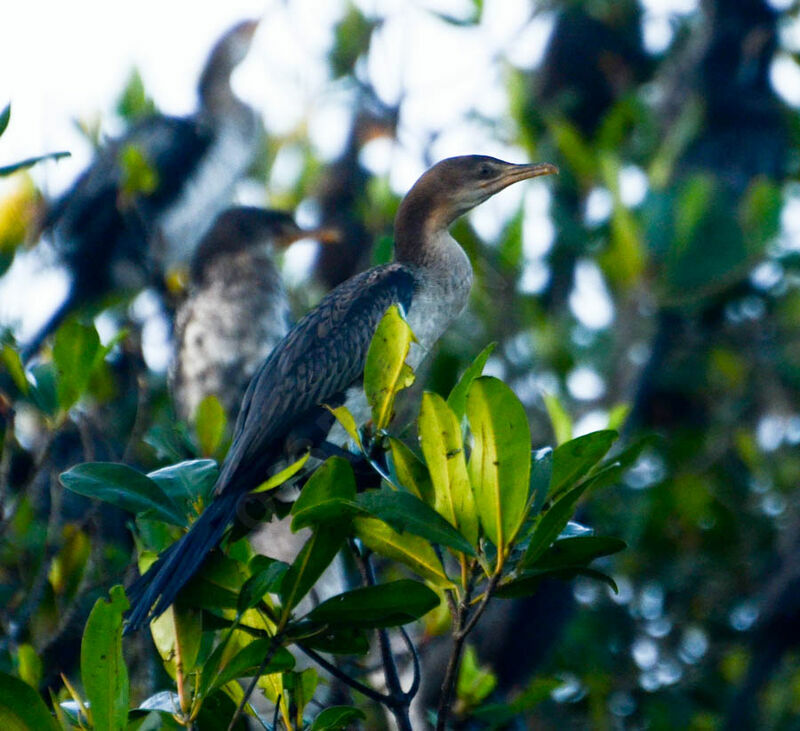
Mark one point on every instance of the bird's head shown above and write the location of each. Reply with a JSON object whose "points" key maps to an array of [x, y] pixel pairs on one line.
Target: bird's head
{"points": [[229, 51], [248, 227], [454, 186]]}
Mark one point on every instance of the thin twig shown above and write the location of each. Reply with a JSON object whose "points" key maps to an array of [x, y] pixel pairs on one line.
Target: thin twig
{"points": [[339, 674]]}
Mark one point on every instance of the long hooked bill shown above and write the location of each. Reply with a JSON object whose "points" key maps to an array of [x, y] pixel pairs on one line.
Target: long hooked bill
{"points": [[515, 173], [323, 234]]}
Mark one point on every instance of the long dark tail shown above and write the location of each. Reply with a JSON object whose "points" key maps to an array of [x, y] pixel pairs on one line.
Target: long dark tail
{"points": [[32, 347], [152, 593]]}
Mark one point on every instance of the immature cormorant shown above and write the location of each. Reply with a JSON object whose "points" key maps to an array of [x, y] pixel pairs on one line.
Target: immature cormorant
{"points": [[321, 359], [237, 309], [148, 197]]}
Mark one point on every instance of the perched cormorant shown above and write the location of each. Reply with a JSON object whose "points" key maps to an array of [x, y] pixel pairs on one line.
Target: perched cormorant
{"points": [[237, 309], [149, 197], [321, 359]]}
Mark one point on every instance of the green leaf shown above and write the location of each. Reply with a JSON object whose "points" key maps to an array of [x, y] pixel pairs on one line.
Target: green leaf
{"points": [[528, 583], [328, 495], [30, 162], [385, 371], [338, 641], [284, 475], [573, 459], [5, 118], [315, 556], [348, 423], [76, 352], [265, 580], [578, 551], [124, 487], [178, 632], [216, 587], [14, 364], [499, 466], [103, 671], [559, 418], [22, 708], [337, 718], [457, 400], [413, 551], [551, 524], [247, 661], [541, 475], [188, 482], [29, 665], [411, 472], [44, 392], [405, 512], [384, 605], [474, 682], [210, 423], [440, 438]]}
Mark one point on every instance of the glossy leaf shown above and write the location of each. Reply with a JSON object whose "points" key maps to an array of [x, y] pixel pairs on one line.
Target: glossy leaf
{"points": [[528, 583], [338, 641], [384, 605], [124, 487], [22, 708], [187, 482], [440, 438], [177, 632], [551, 524], [405, 512], [103, 671], [328, 495], [210, 423], [457, 400], [573, 459], [541, 474], [266, 580], [337, 718], [411, 550], [315, 556], [385, 371], [578, 551], [499, 466], [411, 472]]}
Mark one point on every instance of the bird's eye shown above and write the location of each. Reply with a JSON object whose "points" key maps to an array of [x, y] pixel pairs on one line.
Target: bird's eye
{"points": [[484, 171]]}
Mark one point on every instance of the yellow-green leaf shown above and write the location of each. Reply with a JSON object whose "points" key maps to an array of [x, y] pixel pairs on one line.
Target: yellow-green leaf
{"points": [[442, 446], [386, 371], [411, 472], [284, 475], [347, 422], [499, 466], [209, 423]]}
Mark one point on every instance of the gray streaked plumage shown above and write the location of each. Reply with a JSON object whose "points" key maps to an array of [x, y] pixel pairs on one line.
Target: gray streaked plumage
{"points": [[236, 311], [321, 359], [111, 234]]}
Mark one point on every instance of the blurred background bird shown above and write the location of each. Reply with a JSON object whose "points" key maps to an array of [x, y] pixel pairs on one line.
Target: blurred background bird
{"points": [[149, 197], [237, 309]]}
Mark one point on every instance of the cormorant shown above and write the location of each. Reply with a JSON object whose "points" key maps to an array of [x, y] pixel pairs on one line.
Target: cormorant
{"points": [[148, 197], [237, 309], [321, 359]]}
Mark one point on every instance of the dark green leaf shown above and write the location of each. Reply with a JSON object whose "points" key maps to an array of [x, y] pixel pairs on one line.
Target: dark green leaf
{"points": [[541, 475], [405, 512], [247, 661], [103, 671], [124, 487], [315, 556], [336, 718], [578, 551], [216, 586], [44, 393], [457, 400], [528, 583], [30, 162], [573, 459], [21, 707], [327, 496], [187, 482], [266, 580], [384, 605], [338, 641], [5, 118]]}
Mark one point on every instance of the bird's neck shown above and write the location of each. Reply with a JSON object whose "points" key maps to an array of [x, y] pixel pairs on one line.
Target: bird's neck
{"points": [[217, 99]]}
